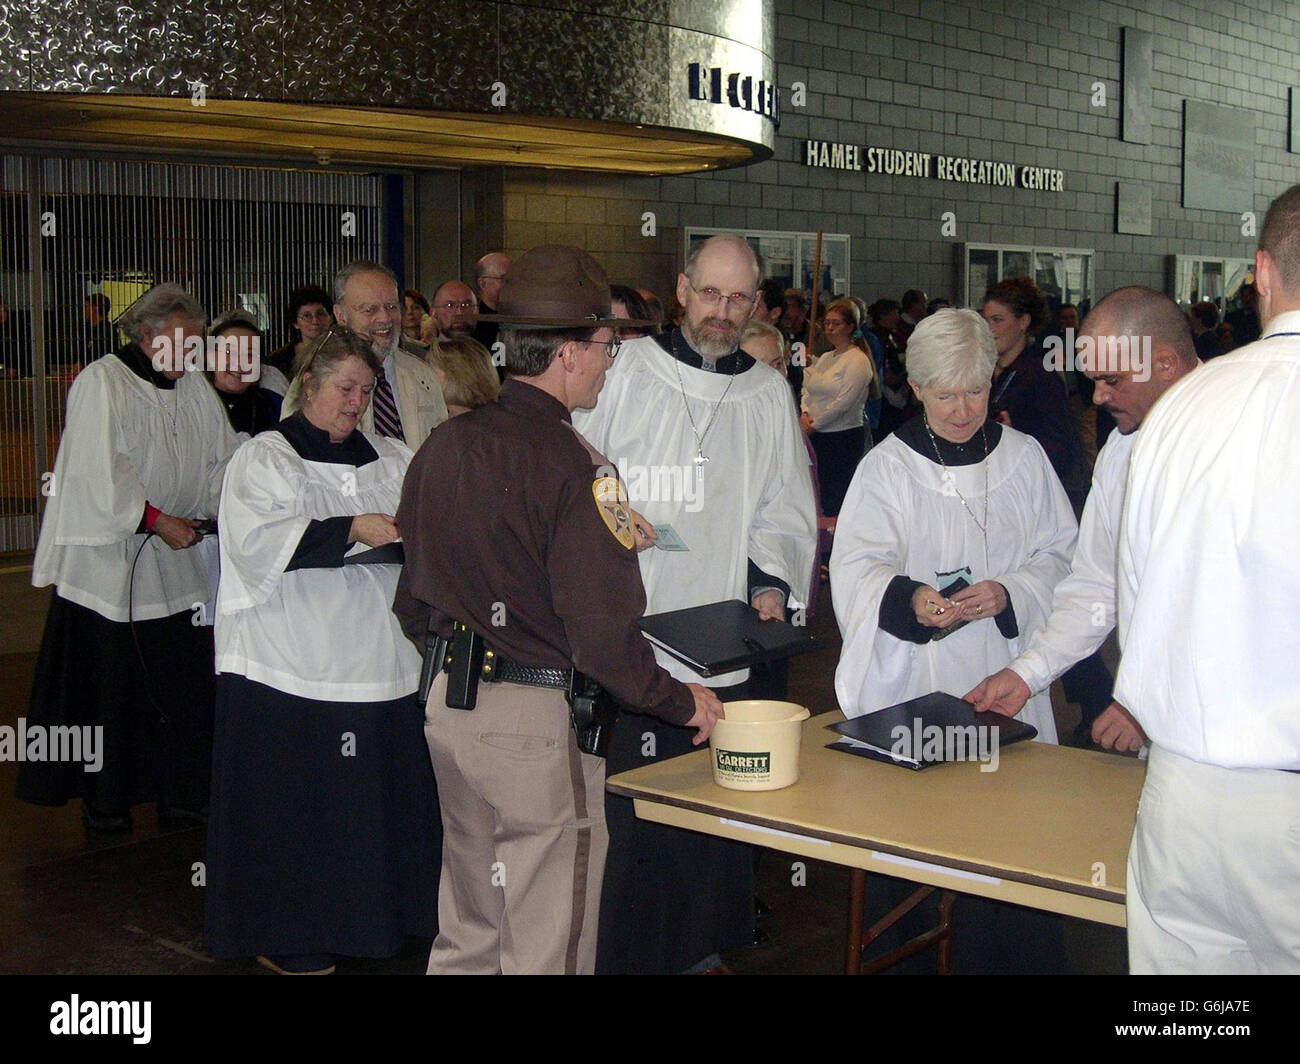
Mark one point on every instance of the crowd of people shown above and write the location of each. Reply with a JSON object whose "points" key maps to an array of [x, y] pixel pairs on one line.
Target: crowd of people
{"points": [[250, 574]]}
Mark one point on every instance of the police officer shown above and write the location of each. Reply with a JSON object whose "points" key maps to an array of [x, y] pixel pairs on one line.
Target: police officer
{"points": [[520, 552]]}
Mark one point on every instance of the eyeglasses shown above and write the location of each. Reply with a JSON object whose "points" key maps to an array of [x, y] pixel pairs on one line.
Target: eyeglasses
{"points": [[467, 304], [314, 315], [736, 301], [310, 360], [613, 345]]}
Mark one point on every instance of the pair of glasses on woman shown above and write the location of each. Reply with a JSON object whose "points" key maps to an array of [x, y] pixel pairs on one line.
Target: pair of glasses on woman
{"points": [[320, 342]]}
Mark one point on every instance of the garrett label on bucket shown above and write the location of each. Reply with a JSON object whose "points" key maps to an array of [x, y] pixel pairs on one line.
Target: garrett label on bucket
{"points": [[746, 763]]}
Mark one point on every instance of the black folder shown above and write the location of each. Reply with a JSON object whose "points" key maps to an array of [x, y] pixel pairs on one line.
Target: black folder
{"points": [[884, 743], [725, 636]]}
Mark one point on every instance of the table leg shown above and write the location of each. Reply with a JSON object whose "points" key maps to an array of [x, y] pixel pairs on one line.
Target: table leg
{"points": [[857, 902], [859, 940]]}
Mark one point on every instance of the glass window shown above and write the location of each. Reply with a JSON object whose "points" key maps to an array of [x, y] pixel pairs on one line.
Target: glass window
{"points": [[1193, 278], [1015, 264], [1063, 274], [981, 271]]}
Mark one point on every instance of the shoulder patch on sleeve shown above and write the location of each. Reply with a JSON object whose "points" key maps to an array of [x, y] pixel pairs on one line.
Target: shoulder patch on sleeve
{"points": [[611, 504]]}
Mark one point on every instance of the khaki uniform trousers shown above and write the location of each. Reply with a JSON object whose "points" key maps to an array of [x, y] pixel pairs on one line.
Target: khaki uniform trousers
{"points": [[524, 835]]}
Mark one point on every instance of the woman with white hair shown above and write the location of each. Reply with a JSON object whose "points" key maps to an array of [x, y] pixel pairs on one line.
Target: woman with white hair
{"points": [[950, 522], [953, 535], [128, 643]]}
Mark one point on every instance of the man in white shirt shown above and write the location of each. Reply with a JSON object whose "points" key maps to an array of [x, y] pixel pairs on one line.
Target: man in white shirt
{"points": [[1209, 577], [1128, 378]]}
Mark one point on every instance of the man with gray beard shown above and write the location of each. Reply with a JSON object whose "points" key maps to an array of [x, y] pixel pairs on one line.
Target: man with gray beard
{"points": [[690, 403]]}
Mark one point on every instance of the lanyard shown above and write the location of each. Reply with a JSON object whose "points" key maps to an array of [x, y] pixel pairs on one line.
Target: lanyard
{"points": [[1006, 382]]}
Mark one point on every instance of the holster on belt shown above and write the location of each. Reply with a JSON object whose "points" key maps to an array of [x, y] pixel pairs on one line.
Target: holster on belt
{"points": [[465, 668], [467, 660], [592, 712], [435, 660]]}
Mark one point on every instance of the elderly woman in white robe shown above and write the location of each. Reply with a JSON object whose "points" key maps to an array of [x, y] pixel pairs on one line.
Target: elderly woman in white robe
{"points": [[324, 831], [127, 647], [953, 535]]}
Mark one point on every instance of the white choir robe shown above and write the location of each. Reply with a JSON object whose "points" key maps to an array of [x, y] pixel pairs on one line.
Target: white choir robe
{"points": [[902, 516], [322, 633], [753, 499], [1083, 606], [127, 443], [1208, 570]]}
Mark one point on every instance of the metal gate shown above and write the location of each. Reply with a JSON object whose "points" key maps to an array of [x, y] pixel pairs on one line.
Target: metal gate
{"points": [[72, 228]]}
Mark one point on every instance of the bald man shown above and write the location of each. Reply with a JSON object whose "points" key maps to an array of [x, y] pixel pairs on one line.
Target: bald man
{"points": [[489, 272], [1208, 581], [1134, 346]]}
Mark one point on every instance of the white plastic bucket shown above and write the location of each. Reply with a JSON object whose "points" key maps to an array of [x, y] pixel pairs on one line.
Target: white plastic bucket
{"points": [[756, 746]]}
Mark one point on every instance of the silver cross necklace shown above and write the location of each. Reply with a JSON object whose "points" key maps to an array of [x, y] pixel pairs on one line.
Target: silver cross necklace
{"points": [[700, 457], [983, 527]]}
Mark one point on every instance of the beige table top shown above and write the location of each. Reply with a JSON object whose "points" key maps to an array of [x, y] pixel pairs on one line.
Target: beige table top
{"points": [[1050, 828]]}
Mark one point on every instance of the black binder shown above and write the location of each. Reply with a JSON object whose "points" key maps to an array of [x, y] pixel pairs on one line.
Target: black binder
{"points": [[943, 711], [725, 636]]}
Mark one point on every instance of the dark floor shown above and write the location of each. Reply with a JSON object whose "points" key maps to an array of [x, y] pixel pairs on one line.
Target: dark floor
{"points": [[72, 902]]}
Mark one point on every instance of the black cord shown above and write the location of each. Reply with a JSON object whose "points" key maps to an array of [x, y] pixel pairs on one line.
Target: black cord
{"points": [[130, 620]]}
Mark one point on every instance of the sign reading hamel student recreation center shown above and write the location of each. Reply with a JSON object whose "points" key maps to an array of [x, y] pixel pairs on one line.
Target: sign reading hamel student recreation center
{"points": [[897, 163]]}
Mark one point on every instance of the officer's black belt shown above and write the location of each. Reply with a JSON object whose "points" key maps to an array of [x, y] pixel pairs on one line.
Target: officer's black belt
{"points": [[494, 667], [466, 660], [503, 670]]}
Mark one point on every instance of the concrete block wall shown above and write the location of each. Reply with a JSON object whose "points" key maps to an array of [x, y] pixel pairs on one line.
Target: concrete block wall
{"points": [[990, 79]]}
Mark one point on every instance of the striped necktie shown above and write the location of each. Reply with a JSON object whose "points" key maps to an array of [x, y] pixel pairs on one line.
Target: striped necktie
{"points": [[387, 421]]}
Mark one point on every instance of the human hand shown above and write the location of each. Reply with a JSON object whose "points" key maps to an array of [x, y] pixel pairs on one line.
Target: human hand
{"points": [[933, 610], [708, 711], [988, 598], [374, 530], [177, 532], [770, 605], [645, 532], [806, 422], [1003, 418], [1116, 729], [1004, 692]]}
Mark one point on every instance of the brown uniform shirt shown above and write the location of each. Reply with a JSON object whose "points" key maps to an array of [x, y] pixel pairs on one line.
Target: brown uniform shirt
{"points": [[510, 528]]}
